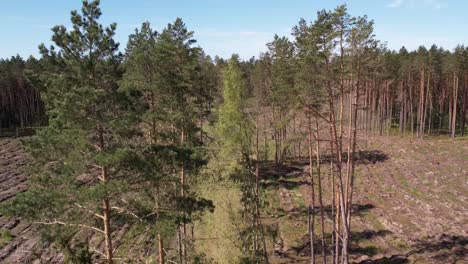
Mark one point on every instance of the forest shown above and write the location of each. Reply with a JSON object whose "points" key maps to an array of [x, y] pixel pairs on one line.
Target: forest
{"points": [[133, 152]]}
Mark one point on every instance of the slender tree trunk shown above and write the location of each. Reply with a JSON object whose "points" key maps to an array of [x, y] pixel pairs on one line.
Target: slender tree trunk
{"points": [[183, 227], [348, 156], [275, 137], [265, 140], [421, 105], [257, 192], [334, 237], [179, 246], [455, 99], [402, 108], [464, 104], [426, 103], [257, 201], [294, 135], [160, 249], [107, 230], [201, 124], [312, 206], [353, 141], [335, 138], [411, 105], [319, 177], [106, 215]]}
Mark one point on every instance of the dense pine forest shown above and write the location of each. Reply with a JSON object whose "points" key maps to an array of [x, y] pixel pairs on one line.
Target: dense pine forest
{"points": [[133, 151], [21, 104]]}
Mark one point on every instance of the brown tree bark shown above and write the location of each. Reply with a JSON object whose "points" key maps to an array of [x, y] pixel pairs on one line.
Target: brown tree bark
{"points": [[319, 177], [420, 125], [106, 216], [160, 249], [455, 100], [311, 211]]}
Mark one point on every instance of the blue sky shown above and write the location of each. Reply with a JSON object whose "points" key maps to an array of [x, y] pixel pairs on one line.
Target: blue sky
{"points": [[223, 27]]}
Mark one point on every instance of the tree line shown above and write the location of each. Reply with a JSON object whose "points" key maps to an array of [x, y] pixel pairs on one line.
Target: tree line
{"points": [[129, 136], [20, 102]]}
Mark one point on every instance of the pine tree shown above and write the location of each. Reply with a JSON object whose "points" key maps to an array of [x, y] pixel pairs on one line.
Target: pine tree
{"points": [[86, 170], [282, 84], [165, 70]]}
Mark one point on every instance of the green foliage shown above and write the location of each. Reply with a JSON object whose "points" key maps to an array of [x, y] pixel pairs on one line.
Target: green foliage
{"points": [[233, 129], [282, 88], [93, 127], [145, 117], [5, 237], [234, 137], [173, 80]]}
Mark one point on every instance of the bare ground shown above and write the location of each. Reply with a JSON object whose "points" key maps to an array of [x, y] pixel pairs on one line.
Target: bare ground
{"points": [[21, 244], [410, 204]]}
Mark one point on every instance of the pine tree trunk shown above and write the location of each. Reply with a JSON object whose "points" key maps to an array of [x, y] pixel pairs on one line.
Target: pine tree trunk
{"points": [[265, 140], [179, 246], [275, 137], [106, 215], [420, 124], [182, 194], [426, 103], [402, 108], [455, 99], [353, 142], [411, 105], [160, 249], [464, 104], [107, 231], [334, 238], [319, 177], [312, 206], [257, 198]]}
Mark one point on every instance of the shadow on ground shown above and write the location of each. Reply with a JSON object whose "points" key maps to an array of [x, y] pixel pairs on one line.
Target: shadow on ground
{"points": [[443, 249], [360, 157]]}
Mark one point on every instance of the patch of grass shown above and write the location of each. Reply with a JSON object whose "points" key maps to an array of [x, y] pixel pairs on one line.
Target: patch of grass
{"points": [[298, 198], [452, 197], [369, 250], [271, 204], [401, 245], [216, 234], [5, 237], [406, 185], [291, 230]]}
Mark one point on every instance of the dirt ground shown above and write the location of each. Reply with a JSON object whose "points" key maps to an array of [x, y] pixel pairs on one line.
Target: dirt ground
{"points": [[18, 242], [410, 204]]}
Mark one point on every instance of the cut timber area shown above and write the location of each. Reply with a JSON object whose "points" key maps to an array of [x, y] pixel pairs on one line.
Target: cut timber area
{"points": [[410, 204], [18, 241]]}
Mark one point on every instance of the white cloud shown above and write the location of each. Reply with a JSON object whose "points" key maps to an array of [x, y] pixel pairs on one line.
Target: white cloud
{"points": [[395, 3], [246, 43], [217, 33], [433, 4]]}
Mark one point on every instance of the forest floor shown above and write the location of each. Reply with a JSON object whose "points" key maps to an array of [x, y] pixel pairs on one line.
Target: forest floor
{"points": [[18, 242], [410, 206]]}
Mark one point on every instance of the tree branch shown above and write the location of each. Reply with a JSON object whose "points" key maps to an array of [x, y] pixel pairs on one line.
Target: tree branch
{"points": [[55, 222], [89, 211], [123, 210]]}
